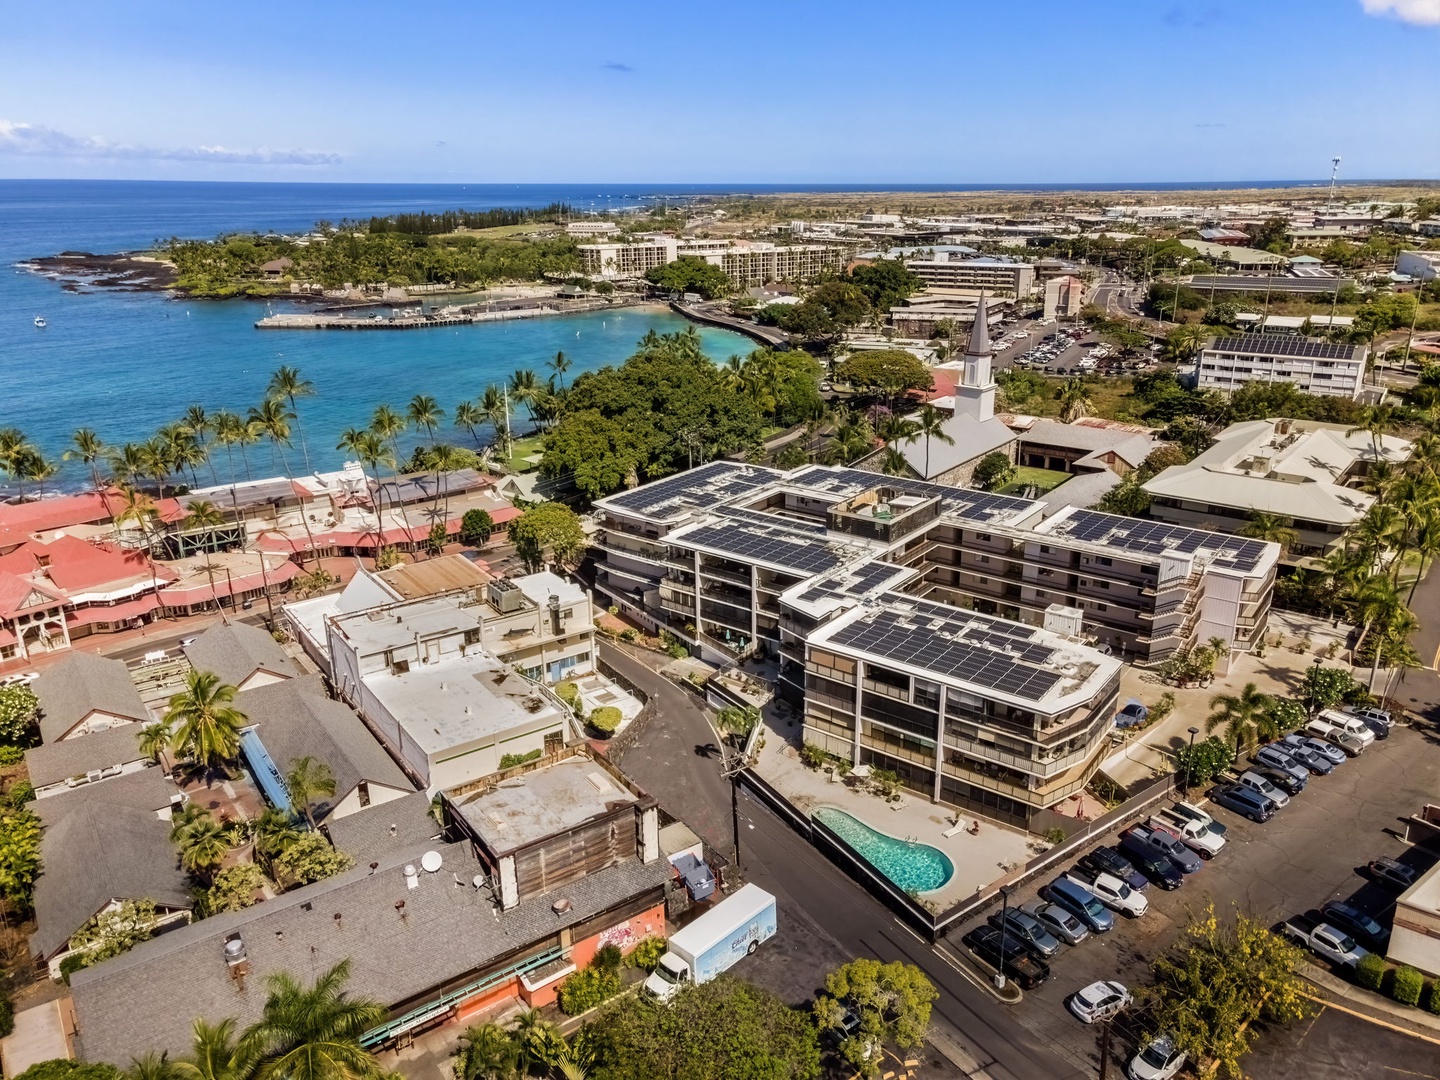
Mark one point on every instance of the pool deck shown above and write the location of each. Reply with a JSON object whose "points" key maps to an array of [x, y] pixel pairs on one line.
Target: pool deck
{"points": [[978, 859]]}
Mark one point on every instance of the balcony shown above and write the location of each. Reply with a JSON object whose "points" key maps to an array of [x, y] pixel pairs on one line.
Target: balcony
{"points": [[725, 573]]}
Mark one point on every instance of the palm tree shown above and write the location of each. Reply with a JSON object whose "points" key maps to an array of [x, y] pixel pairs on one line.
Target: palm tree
{"points": [[207, 726], [732, 373], [306, 781], [1241, 714], [469, 416], [1376, 602], [487, 1053], [523, 387], [893, 463], [155, 739], [1427, 546], [34, 466], [14, 448], [388, 425], [215, 1053], [425, 412], [930, 424], [1392, 641], [560, 365], [153, 1066], [538, 1042], [231, 431], [272, 420], [313, 1033], [89, 448], [287, 383], [370, 449], [204, 514], [200, 424], [275, 832], [850, 441], [1074, 400], [204, 843], [1275, 528], [1375, 420]]}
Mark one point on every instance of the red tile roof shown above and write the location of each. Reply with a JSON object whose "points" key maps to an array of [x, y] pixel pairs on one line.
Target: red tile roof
{"points": [[86, 508], [75, 565], [110, 613], [16, 590]]}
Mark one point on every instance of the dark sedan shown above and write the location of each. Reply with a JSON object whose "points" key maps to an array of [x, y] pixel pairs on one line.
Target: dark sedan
{"points": [[1017, 962], [1108, 860]]}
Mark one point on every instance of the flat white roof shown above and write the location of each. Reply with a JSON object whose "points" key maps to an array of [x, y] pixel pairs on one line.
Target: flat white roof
{"points": [[377, 629], [458, 700], [540, 587]]}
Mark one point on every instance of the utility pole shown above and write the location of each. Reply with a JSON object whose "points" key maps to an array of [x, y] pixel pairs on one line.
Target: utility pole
{"points": [[1104, 1048], [1334, 170]]}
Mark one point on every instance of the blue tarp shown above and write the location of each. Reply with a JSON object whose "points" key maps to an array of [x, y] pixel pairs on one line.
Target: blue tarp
{"points": [[272, 783]]}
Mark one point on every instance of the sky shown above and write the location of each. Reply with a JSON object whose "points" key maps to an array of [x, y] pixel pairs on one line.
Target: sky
{"points": [[782, 91]]}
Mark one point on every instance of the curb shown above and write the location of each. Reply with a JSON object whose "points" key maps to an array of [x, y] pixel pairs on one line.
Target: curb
{"points": [[1376, 1007], [979, 973]]}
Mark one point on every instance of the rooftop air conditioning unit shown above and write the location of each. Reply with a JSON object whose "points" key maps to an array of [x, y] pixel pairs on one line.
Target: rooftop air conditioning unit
{"points": [[506, 596]]}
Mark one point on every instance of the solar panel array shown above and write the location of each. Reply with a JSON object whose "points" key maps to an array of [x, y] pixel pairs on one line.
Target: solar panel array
{"points": [[866, 579], [988, 653], [739, 513], [1285, 345], [1257, 283], [1157, 538], [700, 488], [980, 506], [772, 544]]}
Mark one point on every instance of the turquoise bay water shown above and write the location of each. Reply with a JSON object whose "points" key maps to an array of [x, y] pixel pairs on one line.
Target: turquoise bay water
{"points": [[125, 363], [914, 867]]}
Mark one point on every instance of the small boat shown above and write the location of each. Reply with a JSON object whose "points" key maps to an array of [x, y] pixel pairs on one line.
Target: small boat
{"points": [[40, 321]]}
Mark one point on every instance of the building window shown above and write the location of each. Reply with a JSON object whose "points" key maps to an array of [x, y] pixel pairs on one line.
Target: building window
{"points": [[362, 792], [472, 636]]}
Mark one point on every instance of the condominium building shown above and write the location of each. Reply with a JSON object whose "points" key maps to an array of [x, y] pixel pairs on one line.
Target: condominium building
{"points": [[746, 263], [738, 560], [1306, 471], [1314, 366], [1064, 297], [997, 277], [1420, 265]]}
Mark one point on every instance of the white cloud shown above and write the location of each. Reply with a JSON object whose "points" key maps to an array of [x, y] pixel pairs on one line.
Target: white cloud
{"points": [[1419, 12], [36, 140]]}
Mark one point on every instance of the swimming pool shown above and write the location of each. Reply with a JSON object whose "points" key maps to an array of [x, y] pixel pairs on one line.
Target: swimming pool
{"points": [[916, 868]]}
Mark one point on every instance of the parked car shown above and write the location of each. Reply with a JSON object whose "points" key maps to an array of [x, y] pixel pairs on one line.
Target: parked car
{"points": [[1302, 753], [1169, 846], [1329, 751], [1112, 892], [1273, 757], [1245, 802], [1152, 864], [1081, 903], [1024, 926], [1379, 728], [1106, 860], [1283, 779], [1016, 961], [1392, 872], [1255, 782], [1355, 922], [1347, 732], [1132, 714], [1158, 1059], [1099, 1001], [1057, 920], [1192, 834], [1370, 713]]}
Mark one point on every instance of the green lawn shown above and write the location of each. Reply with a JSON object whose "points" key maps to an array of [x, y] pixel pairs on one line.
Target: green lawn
{"points": [[521, 449], [1043, 480]]}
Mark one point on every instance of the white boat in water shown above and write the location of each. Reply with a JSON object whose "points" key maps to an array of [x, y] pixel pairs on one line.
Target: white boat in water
{"points": [[40, 321]]}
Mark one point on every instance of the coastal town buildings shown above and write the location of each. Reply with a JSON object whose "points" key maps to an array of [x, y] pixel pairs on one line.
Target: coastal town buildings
{"points": [[1314, 366], [1306, 471], [745, 262], [999, 278]]}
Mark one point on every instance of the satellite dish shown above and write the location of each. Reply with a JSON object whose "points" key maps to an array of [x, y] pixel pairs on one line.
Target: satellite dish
{"points": [[430, 861]]}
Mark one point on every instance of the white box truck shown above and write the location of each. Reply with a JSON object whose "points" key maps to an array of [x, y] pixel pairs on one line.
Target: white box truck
{"points": [[714, 942]]}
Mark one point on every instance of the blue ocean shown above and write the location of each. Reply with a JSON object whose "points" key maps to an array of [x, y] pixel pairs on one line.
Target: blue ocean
{"points": [[126, 362]]}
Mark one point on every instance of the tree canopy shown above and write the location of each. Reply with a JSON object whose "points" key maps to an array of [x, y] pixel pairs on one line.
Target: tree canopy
{"points": [[892, 1000], [551, 528], [665, 408], [690, 273], [721, 1030], [890, 371], [885, 282]]}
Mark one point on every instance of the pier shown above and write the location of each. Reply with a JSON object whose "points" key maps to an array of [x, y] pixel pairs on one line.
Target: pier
{"points": [[457, 316]]}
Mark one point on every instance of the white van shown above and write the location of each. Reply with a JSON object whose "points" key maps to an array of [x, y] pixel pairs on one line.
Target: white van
{"points": [[1349, 722], [1342, 737]]}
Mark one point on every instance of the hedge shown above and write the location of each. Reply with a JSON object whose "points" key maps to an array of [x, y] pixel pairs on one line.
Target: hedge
{"points": [[1407, 986], [1370, 972], [1433, 1001], [606, 719], [586, 989]]}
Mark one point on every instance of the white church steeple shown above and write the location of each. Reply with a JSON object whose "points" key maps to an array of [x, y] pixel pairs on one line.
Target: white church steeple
{"points": [[975, 396]]}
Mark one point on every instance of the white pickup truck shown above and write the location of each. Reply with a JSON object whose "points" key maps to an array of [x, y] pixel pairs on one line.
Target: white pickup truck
{"points": [[1196, 835], [1325, 940], [1112, 892]]}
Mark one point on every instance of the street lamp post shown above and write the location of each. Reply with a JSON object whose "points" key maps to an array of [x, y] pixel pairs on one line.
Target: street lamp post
{"points": [[1190, 762], [1005, 891], [1310, 698]]}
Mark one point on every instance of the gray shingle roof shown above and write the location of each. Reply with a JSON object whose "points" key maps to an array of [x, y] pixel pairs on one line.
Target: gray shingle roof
{"points": [[148, 789], [237, 651], [296, 720], [80, 684], [148, 998], [367, 834], [973, 439], [56, 761], [97, 848]]}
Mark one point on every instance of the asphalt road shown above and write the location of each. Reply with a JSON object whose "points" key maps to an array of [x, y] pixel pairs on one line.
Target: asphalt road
{"points": [[1307, 854], [828, 917]]}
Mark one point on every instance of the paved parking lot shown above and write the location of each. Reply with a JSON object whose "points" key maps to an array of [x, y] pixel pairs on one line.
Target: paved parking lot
{"points": [[1334, 1045], [1307, 854]]}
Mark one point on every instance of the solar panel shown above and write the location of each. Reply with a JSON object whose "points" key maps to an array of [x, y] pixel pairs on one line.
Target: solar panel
{"points": [[703, 487], [1284, 345], [1157, 538], [769, 543]]}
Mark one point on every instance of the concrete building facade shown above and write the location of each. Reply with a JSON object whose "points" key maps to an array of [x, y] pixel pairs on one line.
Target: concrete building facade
{"points": [[1314, 366]]}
